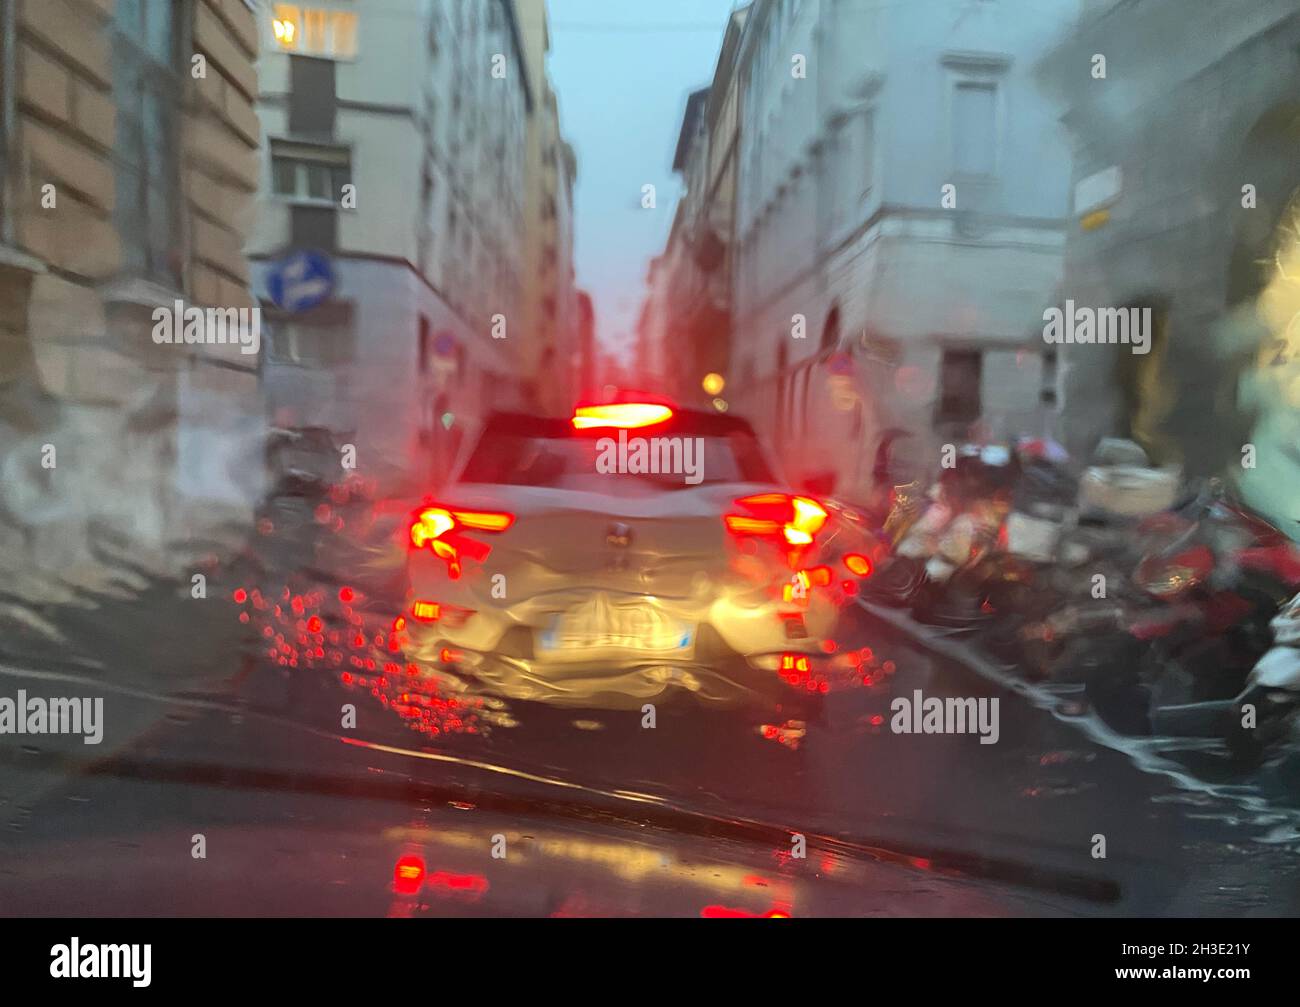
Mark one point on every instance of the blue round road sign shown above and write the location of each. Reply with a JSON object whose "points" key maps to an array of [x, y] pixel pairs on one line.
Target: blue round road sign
{"points": [[300, 281]]}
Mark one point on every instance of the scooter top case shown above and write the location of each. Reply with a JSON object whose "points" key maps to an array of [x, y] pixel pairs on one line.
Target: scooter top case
{"points": [[1278, 669]]}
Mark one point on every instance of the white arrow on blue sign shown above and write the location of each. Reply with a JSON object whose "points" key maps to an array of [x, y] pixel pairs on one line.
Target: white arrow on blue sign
{"points": [[300, 281]]}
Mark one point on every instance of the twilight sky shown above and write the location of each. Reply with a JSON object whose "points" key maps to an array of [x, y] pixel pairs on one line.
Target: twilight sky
{"points": [[622, 71]]}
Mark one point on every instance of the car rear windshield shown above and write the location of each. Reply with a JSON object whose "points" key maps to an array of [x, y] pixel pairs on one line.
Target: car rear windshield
{"points": [[551, 454]]}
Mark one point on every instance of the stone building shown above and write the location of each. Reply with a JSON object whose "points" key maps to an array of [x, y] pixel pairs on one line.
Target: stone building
{"points": [[127, 172], [1187, 175]]}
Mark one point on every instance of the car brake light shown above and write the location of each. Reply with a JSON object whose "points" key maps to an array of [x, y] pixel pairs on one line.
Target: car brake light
{"points": [[434, 522], [809, 516], [439, 529], [484, 520], [750, 526], [431, 524], [624, 415], [795, 520]]}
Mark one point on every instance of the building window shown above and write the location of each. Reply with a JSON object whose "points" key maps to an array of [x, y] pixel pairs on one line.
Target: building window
{"points": [[849, 164], [831, 332], [423, 346], [312, 31], [313, 97], [959, 387], [147, 90], [974, 128], [314, 227], [312, 345], [305, 173], [1048, 394], [425, 236], [864, 153]]}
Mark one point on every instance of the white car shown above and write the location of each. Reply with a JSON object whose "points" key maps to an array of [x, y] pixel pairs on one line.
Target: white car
{"points": [[629, 552]]}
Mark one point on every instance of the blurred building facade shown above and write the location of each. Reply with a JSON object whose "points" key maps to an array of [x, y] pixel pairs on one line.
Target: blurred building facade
{"points": [[1186, 183], [127, 173], [547, 339], [863, 294], [650, 331], [685, 331], [424, 111], [586, 375]]}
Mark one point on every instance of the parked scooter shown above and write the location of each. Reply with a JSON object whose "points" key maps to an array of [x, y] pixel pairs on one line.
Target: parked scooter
{"points": [[1264, 713], [1210, 592]]}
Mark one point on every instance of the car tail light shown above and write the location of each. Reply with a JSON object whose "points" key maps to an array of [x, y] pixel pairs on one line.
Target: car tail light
{"points": [[622, 415], [484, 520], [440, 529], [858, 564], [792, 520]]}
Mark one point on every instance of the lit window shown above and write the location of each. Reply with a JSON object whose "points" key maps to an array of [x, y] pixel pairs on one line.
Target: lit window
{"points": [[313, 31]]}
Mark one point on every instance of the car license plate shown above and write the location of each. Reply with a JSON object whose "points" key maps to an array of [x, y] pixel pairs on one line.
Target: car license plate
{"points": [[601, 625]]}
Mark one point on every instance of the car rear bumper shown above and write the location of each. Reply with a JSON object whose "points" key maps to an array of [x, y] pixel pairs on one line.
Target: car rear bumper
{"points": [[787, 679]]}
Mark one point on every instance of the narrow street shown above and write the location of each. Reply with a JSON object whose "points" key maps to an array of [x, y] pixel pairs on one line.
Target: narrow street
{"points": [[699, 458]]}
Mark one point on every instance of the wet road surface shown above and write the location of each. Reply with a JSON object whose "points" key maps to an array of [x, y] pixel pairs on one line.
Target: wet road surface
{"points": [[207, 733]]}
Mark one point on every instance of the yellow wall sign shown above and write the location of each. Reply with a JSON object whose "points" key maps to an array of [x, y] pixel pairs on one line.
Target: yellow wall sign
{"points": [[314, 31], [1094, 220]]}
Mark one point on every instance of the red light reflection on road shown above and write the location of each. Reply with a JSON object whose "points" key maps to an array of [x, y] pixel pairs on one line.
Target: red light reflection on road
{"points": [[716, 912], [408, 875]]}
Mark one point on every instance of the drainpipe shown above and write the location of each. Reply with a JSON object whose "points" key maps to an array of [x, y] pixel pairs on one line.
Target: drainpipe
{"points": [[8, 78]]}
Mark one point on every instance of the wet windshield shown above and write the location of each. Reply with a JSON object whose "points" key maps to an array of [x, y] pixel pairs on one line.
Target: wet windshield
{"points": [[792, 437]]}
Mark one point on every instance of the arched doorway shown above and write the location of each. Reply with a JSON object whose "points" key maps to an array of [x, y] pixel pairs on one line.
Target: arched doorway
{"points": [[1142, 381], [1258, 343]]}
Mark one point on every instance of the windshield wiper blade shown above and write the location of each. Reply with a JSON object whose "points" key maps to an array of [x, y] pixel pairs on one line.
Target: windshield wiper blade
{"points": [[614, 809]]}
